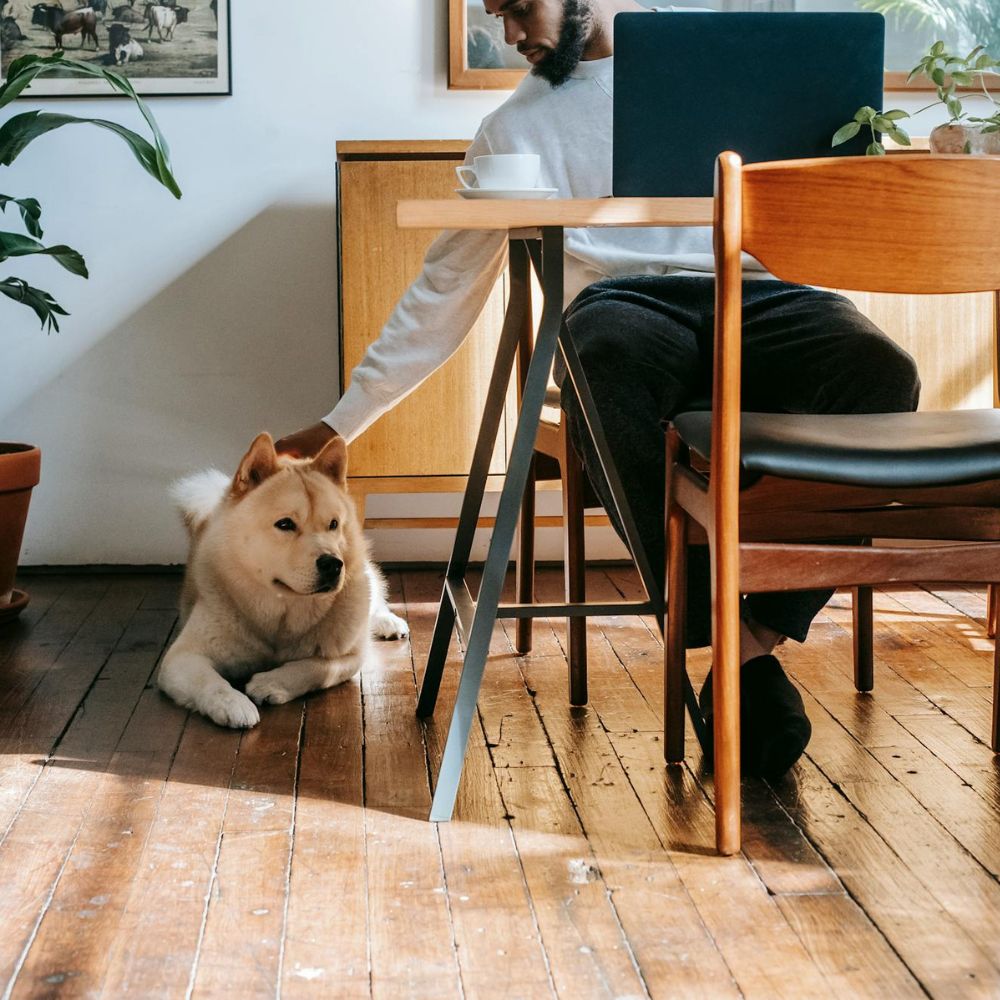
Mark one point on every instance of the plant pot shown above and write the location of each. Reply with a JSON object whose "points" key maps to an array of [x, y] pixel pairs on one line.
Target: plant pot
{"points": [[19, 471], [958, 138]]}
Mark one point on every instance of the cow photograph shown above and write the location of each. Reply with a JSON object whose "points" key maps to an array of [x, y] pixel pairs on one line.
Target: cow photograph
{"points": [[170, 47]]}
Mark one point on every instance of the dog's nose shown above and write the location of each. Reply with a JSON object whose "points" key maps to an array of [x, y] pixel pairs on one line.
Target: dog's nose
{"points": [[329, 567]]}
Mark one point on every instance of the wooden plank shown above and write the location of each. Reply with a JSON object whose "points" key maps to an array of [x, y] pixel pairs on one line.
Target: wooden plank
{"points": [[586, 949], [498, 941], [847, 947], [48, 821], [411, 933], [780, 853], [154, 947], [241, 947], [588, 953], [70, 946], [456, 213], [328, 892]]}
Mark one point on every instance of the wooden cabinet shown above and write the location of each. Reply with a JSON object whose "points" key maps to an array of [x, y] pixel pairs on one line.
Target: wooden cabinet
{"points": [[426, 442]]}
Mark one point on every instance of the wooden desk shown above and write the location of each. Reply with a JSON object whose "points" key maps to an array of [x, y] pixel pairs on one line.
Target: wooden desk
{"points": [[535, 230]]}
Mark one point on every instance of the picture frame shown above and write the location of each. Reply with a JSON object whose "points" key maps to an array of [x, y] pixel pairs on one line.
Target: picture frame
{"points": [[478, 59], [185, 52]]}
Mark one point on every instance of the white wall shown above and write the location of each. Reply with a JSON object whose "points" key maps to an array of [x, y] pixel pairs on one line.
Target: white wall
{"points": [[209, 319]]}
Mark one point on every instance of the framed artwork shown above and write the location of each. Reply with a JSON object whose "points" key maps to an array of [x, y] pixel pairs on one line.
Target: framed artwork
{"points": [[480, 60], [169, 48]]}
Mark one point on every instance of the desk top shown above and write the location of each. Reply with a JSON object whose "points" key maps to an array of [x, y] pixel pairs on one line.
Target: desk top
{"points": [[572, 213]]}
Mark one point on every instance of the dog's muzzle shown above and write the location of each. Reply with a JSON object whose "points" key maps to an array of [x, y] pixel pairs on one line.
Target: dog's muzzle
{"points": [[328, 570]]}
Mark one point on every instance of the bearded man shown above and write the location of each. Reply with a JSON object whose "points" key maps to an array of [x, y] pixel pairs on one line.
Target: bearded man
{"points": [[641, 319]]}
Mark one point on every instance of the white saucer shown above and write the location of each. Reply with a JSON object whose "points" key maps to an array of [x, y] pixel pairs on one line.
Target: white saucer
{"points": [[502, 193]]}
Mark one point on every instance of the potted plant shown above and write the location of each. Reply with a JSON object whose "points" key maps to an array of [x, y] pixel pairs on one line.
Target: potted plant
{"points": [[20, 463], [963, 132]]}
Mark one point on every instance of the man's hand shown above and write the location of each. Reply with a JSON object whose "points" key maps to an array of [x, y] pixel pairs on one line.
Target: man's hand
{"points": [[307, 442]]}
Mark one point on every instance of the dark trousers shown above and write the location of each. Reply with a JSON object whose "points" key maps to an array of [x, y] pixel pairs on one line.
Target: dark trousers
{"points": [[645, 343]]}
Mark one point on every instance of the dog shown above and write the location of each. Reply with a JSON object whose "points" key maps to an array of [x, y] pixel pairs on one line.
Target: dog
{"points": [[280, 594]]}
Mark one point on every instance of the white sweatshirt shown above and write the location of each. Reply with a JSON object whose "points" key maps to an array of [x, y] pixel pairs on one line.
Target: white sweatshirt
{"points": [[570, 126]]}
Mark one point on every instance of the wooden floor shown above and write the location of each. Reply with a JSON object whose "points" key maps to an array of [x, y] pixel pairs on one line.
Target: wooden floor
{"points": [[148, 853]]}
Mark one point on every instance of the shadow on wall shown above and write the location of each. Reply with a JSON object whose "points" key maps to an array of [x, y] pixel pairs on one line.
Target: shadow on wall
{"points": [[245, 340]]}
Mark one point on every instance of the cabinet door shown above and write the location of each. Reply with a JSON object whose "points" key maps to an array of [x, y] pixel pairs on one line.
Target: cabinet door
{"points": [[433, 431], [949, 336]]}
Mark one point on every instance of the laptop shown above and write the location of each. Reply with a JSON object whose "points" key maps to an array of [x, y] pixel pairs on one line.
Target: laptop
{"points": [[769, 86]]}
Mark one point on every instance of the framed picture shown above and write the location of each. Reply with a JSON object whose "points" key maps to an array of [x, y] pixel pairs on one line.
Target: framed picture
{"points": [[480, 60], [169, 48]]}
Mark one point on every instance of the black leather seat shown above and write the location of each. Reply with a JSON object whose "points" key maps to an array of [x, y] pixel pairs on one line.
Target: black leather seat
{"points": [[870, 449]]}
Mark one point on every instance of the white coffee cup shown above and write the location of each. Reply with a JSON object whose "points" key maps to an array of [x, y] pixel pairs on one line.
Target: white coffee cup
{"points": [[502, 172]]}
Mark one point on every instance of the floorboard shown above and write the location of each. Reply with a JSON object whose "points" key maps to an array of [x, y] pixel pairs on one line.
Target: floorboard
{"points": [[147, 852]]}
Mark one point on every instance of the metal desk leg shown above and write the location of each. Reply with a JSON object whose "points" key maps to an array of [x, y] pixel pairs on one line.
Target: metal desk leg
{"points": [[498, 556], [472, 502]]}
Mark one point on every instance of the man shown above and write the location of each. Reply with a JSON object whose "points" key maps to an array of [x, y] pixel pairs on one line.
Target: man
{"points": [[644, 333]]}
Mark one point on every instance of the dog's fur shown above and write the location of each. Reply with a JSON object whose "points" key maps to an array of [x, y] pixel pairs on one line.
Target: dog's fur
{"points": [[279, 592]]}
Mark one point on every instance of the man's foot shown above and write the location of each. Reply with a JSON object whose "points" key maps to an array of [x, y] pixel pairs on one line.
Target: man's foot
{"points": [[774, 727]]}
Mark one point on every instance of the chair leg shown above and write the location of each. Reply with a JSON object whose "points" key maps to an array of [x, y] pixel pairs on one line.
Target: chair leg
{"points": [[864, 661], [726, 690], [995, 731], [576, 574], [991, 609], [524, 574], [674, 651]]}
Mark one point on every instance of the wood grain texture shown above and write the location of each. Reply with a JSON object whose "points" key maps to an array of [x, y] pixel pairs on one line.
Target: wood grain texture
{"points": [[432, 432], [150, 853]]}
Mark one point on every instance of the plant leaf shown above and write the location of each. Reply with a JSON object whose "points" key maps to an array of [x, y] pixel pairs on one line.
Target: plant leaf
{"points": [[864, 114], [31, 212], [875, 149], [44, 306], [895, 115], [16, 245], [845, 132], [17, 132]]}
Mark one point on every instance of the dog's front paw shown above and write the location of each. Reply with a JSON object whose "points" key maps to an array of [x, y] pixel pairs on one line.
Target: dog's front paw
{"points": [[233, 709], [266, 689], [386, 625]]}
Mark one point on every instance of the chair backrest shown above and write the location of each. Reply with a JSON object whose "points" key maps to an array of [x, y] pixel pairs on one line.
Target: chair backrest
{"points": [[911, 224]]}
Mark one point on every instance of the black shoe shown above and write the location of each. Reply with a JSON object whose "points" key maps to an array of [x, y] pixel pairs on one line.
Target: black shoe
{"points": [[774, 727]]}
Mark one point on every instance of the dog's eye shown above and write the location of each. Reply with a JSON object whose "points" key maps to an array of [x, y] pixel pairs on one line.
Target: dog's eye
{"points": [[334, 524], [285, 524]]}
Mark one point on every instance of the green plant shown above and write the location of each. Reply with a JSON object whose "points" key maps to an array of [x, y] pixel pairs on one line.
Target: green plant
{"points": [[947, 72], [18, 131], [960, 20]]}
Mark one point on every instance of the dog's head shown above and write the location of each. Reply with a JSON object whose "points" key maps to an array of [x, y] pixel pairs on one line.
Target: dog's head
{"points": [[290, 523]]}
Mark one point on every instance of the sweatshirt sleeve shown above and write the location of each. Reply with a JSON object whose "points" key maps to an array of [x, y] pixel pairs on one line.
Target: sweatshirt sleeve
{"points": [[427, 326]]}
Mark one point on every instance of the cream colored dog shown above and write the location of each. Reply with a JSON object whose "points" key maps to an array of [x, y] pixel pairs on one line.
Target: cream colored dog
{"points": [[279, 592]]}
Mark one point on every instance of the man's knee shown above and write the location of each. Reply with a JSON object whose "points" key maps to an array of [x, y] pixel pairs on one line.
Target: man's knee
{"points": [[888, 375]]}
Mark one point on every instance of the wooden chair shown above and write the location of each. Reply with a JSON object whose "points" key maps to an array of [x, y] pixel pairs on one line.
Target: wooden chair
{"points": [[780, 488]]}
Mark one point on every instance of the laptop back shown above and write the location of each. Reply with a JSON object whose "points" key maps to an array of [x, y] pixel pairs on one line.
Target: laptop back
{"points": [[769, 86]]}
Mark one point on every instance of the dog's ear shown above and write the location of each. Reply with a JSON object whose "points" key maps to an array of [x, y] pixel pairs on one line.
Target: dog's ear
{"points": [[258, 463], [332, 460]]}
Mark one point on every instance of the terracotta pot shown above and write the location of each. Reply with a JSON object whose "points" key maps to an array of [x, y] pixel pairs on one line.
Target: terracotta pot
{"points": [[958, 138], [19, 472]]}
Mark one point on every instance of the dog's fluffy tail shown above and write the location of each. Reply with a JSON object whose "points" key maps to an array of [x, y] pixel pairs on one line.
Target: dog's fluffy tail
{"points": [[198, 495]]}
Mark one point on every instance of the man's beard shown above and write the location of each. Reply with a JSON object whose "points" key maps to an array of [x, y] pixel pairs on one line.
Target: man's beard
{"points": [[574, 35]]}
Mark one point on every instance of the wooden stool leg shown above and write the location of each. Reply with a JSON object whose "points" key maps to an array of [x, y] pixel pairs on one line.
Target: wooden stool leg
{"points": [[995, 731], [726, 688], [525, 571], [864, 662], [991, 609], [674, 651], [576, 573]]}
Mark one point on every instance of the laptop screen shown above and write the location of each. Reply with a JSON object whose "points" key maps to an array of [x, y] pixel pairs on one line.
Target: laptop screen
{"points": [[688, 86]]}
